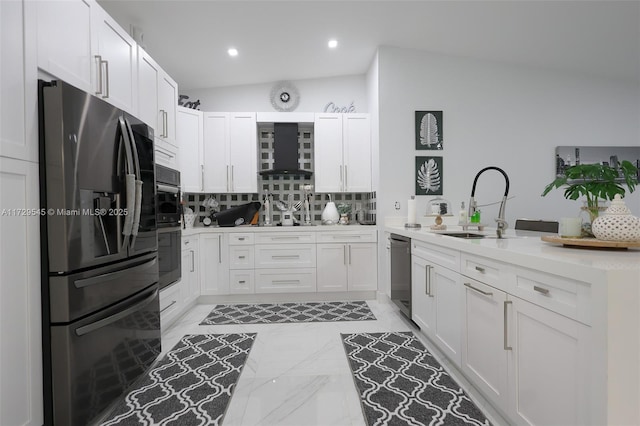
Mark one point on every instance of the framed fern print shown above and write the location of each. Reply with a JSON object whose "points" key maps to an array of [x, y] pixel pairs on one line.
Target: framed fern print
{"points": [[429, 130], [428, 175]]}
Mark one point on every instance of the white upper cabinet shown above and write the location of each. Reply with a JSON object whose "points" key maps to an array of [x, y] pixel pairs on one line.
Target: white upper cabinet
{"points": [[356, 146], [243, 152], [115, 57], [328, 152], [342, 152], [190, 137], [214, 154], [230, 153], [81, 44], [65, 41], [157, 98]]}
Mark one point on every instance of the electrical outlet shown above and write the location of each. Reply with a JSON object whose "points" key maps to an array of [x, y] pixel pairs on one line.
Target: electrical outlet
{"points": [[397, 205]]}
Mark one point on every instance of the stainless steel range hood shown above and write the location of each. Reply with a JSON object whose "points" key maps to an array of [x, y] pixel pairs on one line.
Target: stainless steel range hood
{"points": [[285, 151]]}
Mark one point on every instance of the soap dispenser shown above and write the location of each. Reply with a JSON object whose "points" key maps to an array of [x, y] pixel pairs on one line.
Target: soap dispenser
{"points": [[462, 215]]}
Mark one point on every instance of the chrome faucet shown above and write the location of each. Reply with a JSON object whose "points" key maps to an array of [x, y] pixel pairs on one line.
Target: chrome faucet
{"points": [[501, 222]]}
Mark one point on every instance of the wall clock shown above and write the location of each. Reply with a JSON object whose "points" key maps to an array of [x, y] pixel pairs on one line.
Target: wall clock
{"points": [[284, 96]]}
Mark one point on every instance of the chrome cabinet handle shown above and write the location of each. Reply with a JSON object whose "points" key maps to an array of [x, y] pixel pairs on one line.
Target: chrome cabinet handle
{"points": [[241, 282], [193, 261], [286, 281], [219, 248], [166, 126], [506, 343], [202, 177], [486, 293], [240, 238], [344, 254], [106, 79], [173, 302], [290, 256], [232, 180], [480, 269], [346, 181], [98, 59], [544, 291], [186, 242], [228, 190], [240, 257], [427, 280], [349, 254], [341, 179]]}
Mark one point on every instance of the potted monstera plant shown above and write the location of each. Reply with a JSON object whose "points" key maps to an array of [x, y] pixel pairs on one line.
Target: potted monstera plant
{"points": [[595, 182]]}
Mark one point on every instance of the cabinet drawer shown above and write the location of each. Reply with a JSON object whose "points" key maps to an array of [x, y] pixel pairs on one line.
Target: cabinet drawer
{"points": [[285, 256], [240, 238], [241, 282], [284, 237], [166, 154], [442, 256], [189, 243], [565, 296], [241, 257], [170, 304], [367, 235], [487, 271], [300, 280]]}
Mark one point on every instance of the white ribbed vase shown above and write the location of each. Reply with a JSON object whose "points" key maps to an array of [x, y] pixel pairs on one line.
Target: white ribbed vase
{"points": [[617, 223]]}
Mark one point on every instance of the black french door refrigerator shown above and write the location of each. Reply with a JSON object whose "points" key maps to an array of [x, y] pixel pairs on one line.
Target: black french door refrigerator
{"points": [[100, 301]]}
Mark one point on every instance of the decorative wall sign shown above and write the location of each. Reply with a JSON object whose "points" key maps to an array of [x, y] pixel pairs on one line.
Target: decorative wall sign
{"points": [[192, 105], [428, 175], [429, 131], [284, 96], [332, 107]]}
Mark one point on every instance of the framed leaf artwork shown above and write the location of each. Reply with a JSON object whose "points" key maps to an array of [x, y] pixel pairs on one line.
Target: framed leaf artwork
{"points": [[428, 175], [429, 131]]}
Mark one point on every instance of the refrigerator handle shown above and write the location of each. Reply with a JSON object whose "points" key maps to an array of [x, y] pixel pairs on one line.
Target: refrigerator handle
{"points": [[86, 329], [138, 185], [129, 182]]}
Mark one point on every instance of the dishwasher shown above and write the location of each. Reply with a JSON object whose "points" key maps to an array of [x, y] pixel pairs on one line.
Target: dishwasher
{"points": [[401, 272]]}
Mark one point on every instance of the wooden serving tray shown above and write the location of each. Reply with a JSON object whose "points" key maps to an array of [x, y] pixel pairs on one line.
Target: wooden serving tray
{"points": [[589, 242]]}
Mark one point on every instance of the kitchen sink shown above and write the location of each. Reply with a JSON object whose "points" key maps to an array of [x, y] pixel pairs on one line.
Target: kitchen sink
{"points": [[465, 235]]}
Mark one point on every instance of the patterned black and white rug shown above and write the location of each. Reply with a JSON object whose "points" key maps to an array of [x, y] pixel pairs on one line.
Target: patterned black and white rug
{"points": [[400, 383], [191, 385], [268, 313]]}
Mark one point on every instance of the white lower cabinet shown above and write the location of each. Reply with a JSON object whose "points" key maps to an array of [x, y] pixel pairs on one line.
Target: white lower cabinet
{"points": [[533, 364], [171, 304], [435, 303], [548, 368], [347, 267], [484, 339], [20, 311], [290, 280], [214, 264], [190, 269]]}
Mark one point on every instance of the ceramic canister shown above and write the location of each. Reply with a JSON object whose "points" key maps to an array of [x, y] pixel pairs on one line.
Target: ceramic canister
{"points": [[617, 223]]}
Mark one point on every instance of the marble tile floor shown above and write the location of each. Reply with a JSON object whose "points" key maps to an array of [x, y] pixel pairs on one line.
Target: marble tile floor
{"points": [[298, 375]]}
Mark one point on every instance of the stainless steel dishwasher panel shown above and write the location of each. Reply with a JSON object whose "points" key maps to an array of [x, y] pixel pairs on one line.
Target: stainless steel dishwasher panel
{"points": [[401, 273]]}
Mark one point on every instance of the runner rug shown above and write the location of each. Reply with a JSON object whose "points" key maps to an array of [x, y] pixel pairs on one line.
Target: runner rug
{"points": [[400, 383], [191, 385], [269, 313]]}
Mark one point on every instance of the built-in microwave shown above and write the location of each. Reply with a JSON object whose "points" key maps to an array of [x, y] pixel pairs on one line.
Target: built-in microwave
{"points": [[168, 216]]}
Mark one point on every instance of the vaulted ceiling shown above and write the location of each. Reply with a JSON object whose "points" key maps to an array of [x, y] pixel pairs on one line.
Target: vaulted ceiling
{"points": [[287, 40]]}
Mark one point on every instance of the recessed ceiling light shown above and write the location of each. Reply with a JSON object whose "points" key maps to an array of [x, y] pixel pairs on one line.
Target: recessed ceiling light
{"points": [[333, 44], [232, 51]]}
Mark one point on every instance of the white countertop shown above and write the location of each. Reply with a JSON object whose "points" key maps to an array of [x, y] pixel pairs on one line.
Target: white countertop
{"points": [[252, 228], [525, 248]]}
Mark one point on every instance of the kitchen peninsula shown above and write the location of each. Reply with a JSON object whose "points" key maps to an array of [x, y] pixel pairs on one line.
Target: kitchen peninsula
{"points": [[549, 334]]}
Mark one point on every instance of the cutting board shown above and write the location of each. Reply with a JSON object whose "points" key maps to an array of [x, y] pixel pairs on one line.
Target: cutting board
{"points": [[589, 242]]}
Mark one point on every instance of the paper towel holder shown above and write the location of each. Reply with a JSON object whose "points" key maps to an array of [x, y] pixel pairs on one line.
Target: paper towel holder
{"points": [[409, 225]]}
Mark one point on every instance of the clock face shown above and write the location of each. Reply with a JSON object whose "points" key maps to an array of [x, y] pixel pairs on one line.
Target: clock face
{"points": [[284, 96]]}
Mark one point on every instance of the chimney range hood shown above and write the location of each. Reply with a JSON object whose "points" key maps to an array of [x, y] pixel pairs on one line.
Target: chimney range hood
{"points": [[285, 151]]}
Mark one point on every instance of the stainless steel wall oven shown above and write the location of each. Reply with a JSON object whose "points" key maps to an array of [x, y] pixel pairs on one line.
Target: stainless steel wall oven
{"points": [[169, 213]]}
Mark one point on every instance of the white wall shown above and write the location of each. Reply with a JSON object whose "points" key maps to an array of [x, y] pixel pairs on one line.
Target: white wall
{"points": [[315, 94], [495, 114]]}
